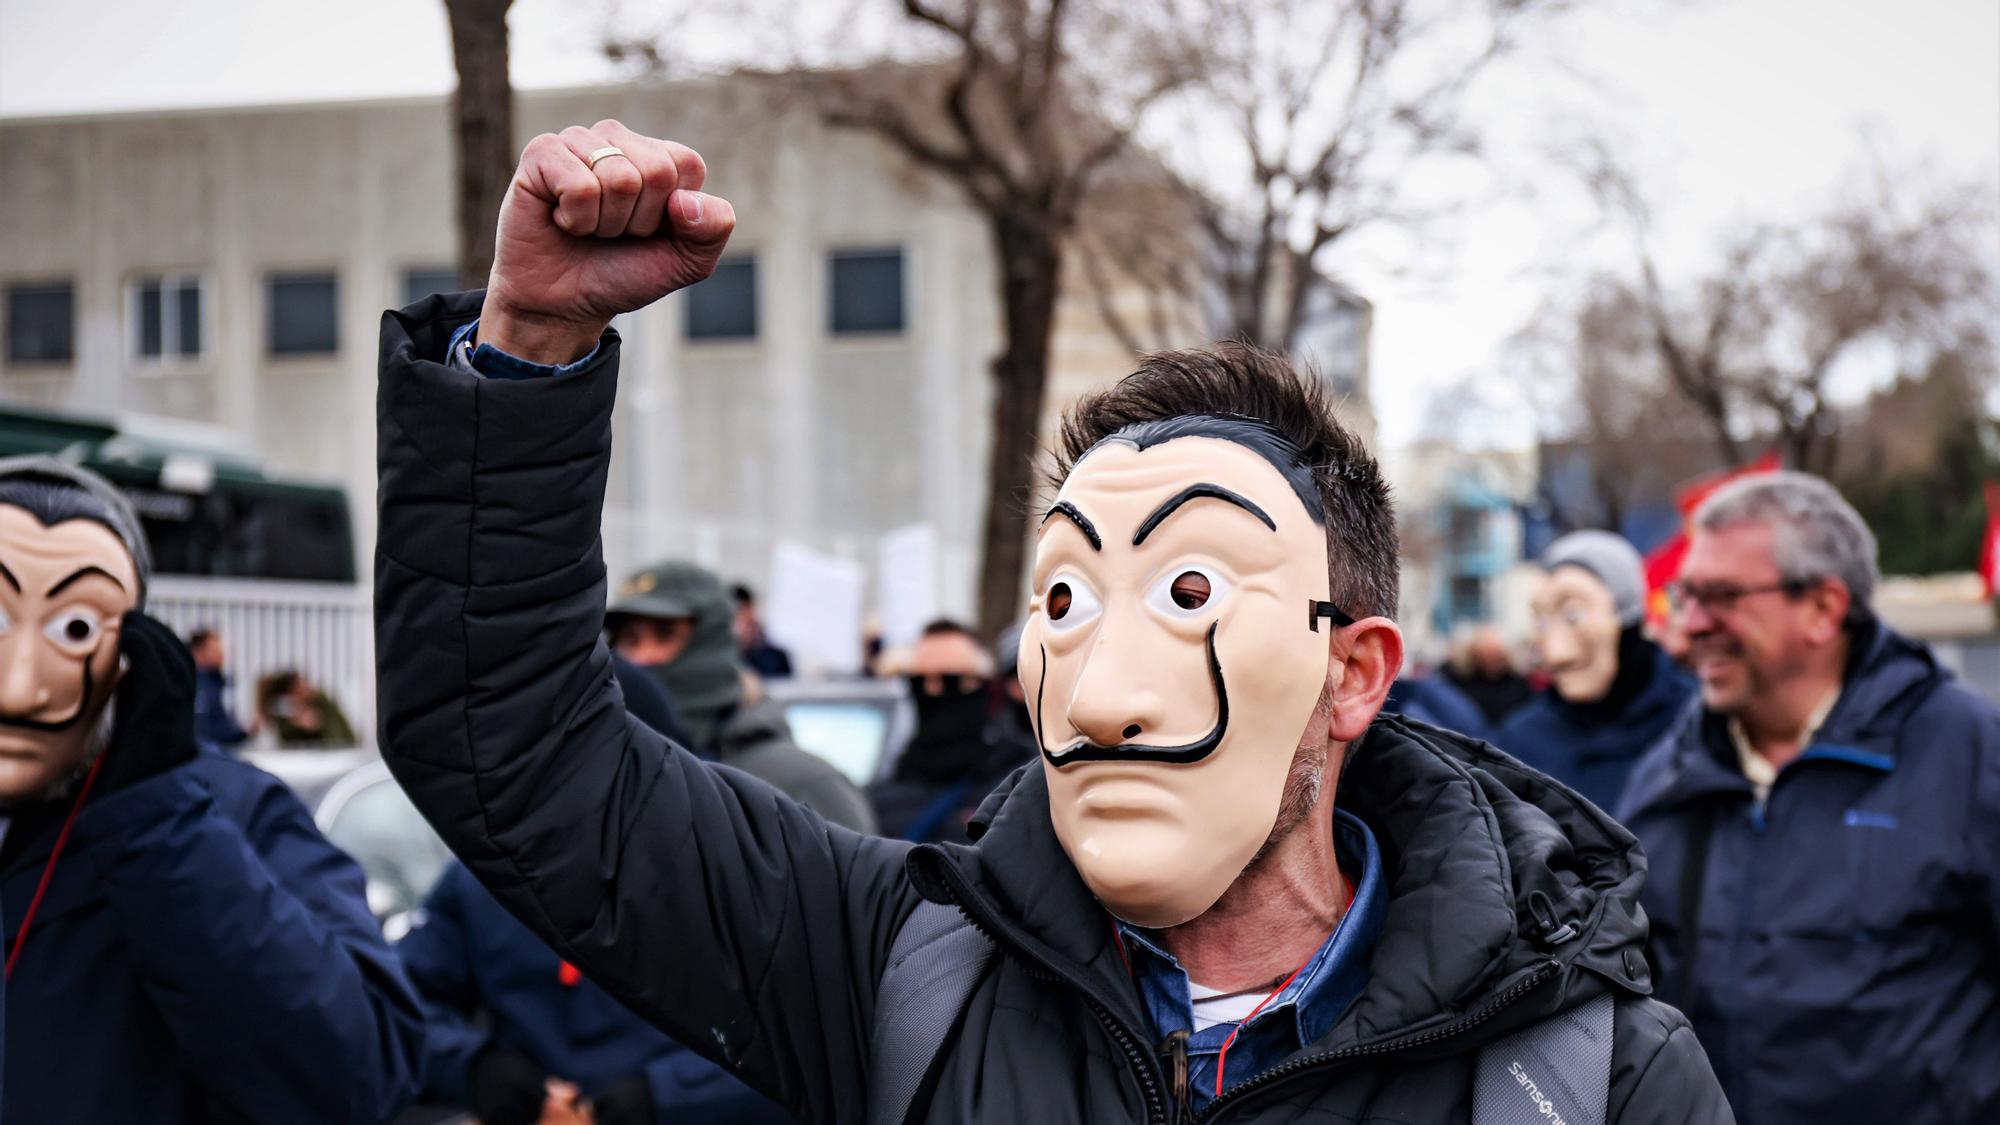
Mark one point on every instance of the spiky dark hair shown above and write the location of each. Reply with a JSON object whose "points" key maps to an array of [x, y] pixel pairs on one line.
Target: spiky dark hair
{"points": [[1257, 399]]}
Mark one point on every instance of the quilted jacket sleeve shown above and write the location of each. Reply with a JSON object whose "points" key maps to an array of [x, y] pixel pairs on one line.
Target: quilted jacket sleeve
{"points": [[721, 911]]}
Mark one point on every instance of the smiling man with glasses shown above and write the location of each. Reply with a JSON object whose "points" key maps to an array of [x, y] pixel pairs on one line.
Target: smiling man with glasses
{"points": [[1824, 833]]}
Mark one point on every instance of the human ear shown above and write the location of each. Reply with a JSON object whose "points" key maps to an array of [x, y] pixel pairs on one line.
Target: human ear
{"points": [[1829, 601], [1366, 658]]}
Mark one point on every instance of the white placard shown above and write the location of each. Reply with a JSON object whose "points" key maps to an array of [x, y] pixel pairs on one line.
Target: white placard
{"points": [[814, 608], [906, 583]]}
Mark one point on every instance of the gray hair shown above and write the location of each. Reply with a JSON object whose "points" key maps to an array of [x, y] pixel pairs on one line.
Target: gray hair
{"points": [[1816, 533]]}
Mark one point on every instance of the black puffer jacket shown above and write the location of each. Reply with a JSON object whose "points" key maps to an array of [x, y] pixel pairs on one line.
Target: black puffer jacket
{"points": [[748, 927]]}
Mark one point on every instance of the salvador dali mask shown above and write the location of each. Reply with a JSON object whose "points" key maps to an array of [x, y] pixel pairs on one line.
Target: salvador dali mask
{"points": [[1576, 633], [63, 592], [1172, 659]]}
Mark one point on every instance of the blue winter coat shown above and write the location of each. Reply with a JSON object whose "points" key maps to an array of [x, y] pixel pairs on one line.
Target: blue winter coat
{"points": [[469, 956], [1436, 701], [212, 720], [1593, 750], [1848, 967], [203, 954]]}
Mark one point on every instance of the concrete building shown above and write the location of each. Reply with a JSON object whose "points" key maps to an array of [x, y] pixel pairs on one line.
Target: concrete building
{"points": [[1463, 550], [229, 267]]}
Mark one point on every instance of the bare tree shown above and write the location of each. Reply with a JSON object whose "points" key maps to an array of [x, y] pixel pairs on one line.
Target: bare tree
{"points": [[1020, 106], [1616, 437], [1328, 106], [1755, 344], [482, 112]]}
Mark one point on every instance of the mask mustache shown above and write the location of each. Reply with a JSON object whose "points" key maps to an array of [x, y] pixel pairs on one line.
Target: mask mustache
{"points": [[1084, 750], [59, 725]]}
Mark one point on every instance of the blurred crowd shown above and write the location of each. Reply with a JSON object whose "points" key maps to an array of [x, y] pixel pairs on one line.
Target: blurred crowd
{"points": [[1773, 745]]}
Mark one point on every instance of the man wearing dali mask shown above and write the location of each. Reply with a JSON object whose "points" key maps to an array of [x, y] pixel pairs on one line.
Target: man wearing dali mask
{"points": [[1226, 888], [182, 945], [1612, 692]]}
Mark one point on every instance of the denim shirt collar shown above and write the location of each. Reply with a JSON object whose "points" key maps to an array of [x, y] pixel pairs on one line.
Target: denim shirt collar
{"points": [[1309, 1005]]}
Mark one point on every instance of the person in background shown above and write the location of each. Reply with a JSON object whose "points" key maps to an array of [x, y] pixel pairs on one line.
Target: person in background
{"points": [[301, 714], [962, 747], [675, 621], [213, 722], [517, 1036], [183, 946], [1430, 698], [1483, 671], [1612, 694], [756, 650], [1823, 831]]}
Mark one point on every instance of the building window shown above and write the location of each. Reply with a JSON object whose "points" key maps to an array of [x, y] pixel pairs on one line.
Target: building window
{"points": [[166, 315], [1468, 531], [867, 287], [41, 323], [1468, 598], [304, 314], [725, 306], [425, 281]]}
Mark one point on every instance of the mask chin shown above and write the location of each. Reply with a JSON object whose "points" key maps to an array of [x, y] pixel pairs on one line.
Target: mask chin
{"points": [[42, 764]]}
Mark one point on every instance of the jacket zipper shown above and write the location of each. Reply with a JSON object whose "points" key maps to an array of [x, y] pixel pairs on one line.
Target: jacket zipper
{"points": [[1142, 1064], [1533, 981]]}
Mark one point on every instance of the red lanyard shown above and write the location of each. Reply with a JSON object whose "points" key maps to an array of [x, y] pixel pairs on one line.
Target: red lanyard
{"points": [[49, 869]]}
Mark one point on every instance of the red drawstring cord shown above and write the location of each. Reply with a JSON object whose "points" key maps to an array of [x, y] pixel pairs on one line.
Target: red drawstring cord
{"points": [[49, 869], [1222, 1056]]}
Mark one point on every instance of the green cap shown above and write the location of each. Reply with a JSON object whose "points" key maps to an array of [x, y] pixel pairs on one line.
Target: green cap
{"points": [[668, 589]]}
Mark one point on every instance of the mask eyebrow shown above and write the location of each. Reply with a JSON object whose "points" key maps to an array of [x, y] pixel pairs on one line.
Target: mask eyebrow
{"points": [[81, 574], [1069, 511], [9, 576], [1199, 492]]}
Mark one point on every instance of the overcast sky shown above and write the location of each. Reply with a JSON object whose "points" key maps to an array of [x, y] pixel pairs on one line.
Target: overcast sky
{"points": [[1732, 109]]}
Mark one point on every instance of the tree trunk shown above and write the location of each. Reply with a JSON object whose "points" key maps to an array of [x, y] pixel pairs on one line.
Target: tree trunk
{"points": [[1030, 262], [482, 111]]}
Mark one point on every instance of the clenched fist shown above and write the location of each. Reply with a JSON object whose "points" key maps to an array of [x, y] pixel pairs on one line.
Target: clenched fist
{"points": [[579, 245]]}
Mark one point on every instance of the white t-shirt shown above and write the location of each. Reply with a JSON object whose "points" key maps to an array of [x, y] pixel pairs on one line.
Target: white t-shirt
{"points": [[1212, 1006]]}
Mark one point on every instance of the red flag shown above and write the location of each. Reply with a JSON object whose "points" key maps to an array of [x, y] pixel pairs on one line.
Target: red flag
{"points": [[1989, 547], [1664, 564]]}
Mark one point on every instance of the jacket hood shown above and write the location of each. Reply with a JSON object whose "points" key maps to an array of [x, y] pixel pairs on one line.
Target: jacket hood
{"points": [[702, 682], [1496, 874], [1888, 677], [750, 726]]}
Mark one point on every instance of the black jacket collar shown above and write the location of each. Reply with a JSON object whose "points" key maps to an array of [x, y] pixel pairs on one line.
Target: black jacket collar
{"points": [[1494, 871]]}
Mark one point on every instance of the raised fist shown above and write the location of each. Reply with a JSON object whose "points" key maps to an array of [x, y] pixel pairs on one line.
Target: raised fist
{"points": [[580, 244]]}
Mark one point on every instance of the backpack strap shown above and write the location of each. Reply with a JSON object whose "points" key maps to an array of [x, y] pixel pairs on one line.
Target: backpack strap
{"points": [[937, 959], [1556, 1072]]}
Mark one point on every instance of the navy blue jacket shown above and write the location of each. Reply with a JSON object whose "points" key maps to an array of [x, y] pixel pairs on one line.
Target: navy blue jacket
{"points": [[212, 720], [1847, 967], [1437, 701], [202, 955], [469, 956], [1593, 749]]}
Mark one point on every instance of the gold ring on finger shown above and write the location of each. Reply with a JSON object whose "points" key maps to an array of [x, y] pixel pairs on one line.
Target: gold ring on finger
{"points": [[600, 154]]}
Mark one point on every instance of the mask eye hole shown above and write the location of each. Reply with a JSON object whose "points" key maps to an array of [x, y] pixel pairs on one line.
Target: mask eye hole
{"points": [[1190, 591], [1070, 603], [1187, 592], [75, 630]]}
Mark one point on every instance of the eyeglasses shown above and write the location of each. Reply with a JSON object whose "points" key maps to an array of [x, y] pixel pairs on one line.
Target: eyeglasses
{"points": [[1721, 597]]}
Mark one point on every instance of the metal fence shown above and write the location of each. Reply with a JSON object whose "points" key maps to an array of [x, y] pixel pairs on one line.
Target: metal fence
{"points": [[321, 630]]}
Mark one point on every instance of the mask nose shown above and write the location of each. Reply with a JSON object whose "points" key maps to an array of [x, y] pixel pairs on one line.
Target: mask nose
{"points": [[1558, 646], [1118, 697], [23, 690]]}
